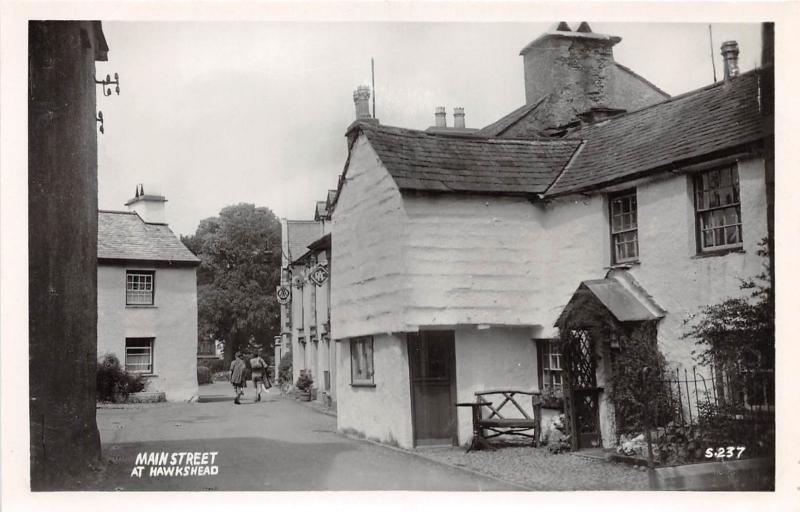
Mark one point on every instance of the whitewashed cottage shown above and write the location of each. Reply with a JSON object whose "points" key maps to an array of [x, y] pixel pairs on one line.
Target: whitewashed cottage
{"points": [[147, 297], [458, 252]]}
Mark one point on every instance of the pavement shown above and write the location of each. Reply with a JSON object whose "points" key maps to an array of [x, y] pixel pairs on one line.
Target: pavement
{"points": [[539, 470], [277, 444]]}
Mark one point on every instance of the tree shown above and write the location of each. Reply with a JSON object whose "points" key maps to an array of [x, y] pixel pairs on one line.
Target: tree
{"points": [[240, 268]]}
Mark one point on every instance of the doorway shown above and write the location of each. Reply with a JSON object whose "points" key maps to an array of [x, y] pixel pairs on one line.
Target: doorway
{"points": [[432, 365], [584, 399]]}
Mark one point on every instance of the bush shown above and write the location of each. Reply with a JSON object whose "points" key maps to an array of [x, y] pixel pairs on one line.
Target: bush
{"points": [[639, 383], [285, 369], [304, 381], [213, 365], [112, 379], [203, 375]]}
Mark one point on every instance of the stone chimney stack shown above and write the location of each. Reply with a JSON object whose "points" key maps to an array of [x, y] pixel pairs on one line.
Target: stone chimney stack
{"points": [[150, 206], [458, 117], [730, 56], [441, 117], [574, 69], [361, 99]]}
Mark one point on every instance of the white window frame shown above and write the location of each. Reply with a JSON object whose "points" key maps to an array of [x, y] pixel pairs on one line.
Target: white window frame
{"points": [[704, 211], [618, 231], [362, 358], [551, 368], [148, 349], [137, 283]]}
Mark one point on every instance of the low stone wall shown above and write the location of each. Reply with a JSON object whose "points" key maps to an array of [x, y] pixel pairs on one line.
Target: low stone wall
{"points": [[144, 397]]}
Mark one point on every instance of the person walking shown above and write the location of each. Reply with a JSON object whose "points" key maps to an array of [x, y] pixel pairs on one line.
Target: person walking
{"points": [[260, 379], [237, 376]]}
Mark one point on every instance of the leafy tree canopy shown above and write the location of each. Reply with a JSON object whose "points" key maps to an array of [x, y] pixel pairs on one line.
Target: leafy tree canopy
{"points": [[239, 271]]}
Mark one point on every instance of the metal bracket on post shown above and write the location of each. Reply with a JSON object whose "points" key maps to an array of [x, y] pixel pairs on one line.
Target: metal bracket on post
{"points": [[99, 119], [105, 83]]}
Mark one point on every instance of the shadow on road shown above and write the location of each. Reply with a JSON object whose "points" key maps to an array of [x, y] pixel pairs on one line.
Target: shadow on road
{"points": [[244, 464]]}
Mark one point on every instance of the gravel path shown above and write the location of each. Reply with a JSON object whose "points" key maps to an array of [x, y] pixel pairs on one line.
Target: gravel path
{"points": [[539, 469]]}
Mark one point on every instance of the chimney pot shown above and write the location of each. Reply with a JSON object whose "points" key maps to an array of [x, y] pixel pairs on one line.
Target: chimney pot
{"points": [[361, 100], [584, 28], [441, 117], [563, 27], [730, 56], [458, 117]]}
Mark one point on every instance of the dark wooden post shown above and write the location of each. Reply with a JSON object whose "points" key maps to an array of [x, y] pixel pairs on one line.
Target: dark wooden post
{"points": [[62, 246]]}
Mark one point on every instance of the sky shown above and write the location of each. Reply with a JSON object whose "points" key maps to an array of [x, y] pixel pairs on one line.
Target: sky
{"points": [[218, 113]]}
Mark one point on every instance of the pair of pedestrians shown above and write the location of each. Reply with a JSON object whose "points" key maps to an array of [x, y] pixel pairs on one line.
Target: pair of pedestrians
{"points": [[238, 375]]}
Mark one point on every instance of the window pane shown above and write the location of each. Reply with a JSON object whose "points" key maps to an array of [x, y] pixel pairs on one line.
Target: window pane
{"points": [[139, 288], [623, 227], [719, 217], [361, 359], [139, 355]]}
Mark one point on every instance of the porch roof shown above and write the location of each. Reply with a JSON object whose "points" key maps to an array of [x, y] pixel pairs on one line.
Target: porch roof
{"points": [[618, 300]]}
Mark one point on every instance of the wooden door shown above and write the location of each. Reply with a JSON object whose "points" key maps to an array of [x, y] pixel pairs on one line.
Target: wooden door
{"points": [[432, 358]]}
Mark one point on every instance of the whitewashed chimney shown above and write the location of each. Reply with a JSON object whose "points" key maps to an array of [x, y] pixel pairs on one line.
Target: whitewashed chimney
{"points": [[149, 204], [361, 99], [440, 114], [458, 117]]}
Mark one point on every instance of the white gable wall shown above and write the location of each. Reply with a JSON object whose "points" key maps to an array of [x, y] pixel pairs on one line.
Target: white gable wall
{"points": [[369, 229]]}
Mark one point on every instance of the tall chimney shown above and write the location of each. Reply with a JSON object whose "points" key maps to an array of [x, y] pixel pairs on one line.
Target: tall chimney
{"points": [[575, 69], [458, 117], [730, 56], [441, 117], [361, 99]]}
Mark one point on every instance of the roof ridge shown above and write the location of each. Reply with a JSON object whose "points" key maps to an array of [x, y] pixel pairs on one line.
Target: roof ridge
{"points": [[563, 171], [412, 132], [123, 212], [671, 99], [648, 82], [518, 118]]}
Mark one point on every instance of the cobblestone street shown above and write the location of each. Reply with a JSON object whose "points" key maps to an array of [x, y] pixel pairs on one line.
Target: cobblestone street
{"points": [[538, 469]]}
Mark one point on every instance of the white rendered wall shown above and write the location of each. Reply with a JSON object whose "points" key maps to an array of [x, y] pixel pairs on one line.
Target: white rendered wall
{"points": [[495, 358], [368, 273], [382, 412], [172, 321]]}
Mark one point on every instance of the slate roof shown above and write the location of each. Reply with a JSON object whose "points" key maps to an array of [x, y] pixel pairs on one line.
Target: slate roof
{"points": [[507, 121], [300, 234], [436, 162], [620, 302], [125, 236], [321, 210], [497, 128], [715, 118]]}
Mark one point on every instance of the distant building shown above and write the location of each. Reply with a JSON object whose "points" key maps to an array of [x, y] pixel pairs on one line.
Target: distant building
{"points": [[147, 297], [459, 254], [305, 319]]}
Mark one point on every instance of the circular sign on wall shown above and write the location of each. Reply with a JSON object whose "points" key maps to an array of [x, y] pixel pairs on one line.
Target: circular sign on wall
{"points": [[284, 294]]}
